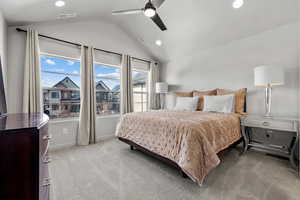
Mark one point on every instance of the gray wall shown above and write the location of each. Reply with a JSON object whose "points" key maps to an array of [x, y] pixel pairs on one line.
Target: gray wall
{"points": [[231, 66], [98, 33]]}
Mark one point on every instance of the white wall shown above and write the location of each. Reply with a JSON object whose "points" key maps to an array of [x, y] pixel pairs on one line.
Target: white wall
{"points": [[64, 132], [98, 33], [231, 66], [3, 47]]}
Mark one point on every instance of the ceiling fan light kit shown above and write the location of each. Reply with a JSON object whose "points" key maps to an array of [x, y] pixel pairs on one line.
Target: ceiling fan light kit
{"points": [[150, 11]]}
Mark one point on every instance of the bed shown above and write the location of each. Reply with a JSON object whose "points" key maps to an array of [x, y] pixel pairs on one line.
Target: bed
{"points": [[188, 140]]}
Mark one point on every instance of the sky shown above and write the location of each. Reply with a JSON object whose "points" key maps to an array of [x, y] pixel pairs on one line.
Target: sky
{"points": [[53, 67]]}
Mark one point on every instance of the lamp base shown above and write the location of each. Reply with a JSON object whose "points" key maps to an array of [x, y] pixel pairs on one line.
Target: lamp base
{"points": [[268, 98], [268, 116]]}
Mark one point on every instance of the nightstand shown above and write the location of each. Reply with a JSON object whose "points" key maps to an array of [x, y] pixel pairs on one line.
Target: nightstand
{"points": [[277, 136]]}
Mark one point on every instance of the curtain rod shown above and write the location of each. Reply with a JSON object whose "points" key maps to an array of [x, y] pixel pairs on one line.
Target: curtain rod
{"points": [[77, 44]]}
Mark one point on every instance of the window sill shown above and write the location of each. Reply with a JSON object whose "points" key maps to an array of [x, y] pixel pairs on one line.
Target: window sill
{"points": [[63, 120]]}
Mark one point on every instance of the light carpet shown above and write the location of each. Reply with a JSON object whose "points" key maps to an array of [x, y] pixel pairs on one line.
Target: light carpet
{"points": [[109, 170]]}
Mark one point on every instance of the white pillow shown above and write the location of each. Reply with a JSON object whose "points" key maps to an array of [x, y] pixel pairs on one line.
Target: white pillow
{"points": [[220, 103], [186, 103]]}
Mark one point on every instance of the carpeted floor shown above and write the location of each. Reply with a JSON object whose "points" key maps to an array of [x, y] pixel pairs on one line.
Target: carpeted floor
{"points": [[110, 170]]}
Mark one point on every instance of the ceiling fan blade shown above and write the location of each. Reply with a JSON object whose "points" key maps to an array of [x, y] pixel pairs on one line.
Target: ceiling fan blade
{"points": [[157, 3], [157, 20], [127, 12]]}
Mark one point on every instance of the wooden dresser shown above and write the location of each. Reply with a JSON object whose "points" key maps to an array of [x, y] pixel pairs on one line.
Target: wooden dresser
{"points": [[24, 158]]}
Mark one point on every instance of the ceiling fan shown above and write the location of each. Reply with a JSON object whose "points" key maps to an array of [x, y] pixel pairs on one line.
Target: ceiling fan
{"points": [[150, 10]]}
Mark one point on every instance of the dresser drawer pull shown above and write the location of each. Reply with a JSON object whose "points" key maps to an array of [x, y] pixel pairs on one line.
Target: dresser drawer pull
{"points": [[47, 137], [47, 182], [47, 160], [266, 123]]}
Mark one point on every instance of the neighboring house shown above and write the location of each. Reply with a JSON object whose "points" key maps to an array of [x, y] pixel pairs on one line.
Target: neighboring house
{"points": [[63, 99], [107, 101], [140, 92]]}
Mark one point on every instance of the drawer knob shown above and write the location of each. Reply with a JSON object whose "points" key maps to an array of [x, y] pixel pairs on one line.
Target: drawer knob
{"points": [[47, 137], [47, 182], [266, 123], [47, 160]]}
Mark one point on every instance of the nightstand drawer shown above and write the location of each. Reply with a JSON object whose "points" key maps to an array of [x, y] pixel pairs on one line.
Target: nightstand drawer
{"points": [[273, 138], [271, 124]]}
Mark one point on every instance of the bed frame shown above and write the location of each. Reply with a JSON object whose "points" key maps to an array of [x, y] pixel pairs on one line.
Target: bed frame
{"points": [[134, 146]]}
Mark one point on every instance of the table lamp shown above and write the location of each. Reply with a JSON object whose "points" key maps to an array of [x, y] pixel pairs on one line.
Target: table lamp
{"points": [[268, 76]]}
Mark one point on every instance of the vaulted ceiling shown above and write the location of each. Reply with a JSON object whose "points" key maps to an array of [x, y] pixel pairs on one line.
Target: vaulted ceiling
{"points": [[192, 24]]}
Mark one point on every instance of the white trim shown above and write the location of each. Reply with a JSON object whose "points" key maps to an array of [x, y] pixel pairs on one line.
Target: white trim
{"points": [[109, 65], [76, 119], [59, 56]]}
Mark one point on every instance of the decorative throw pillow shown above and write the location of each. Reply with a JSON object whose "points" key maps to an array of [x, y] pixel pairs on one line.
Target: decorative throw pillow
{"points": [[184, 94], [222, 103], [240, 98], [201, 94], [186, 103]]}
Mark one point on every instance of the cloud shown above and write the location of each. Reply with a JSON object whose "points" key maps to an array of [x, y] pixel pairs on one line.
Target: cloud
{"points": [[75, 72], [70, 62], [48, 82], [50, 62], [60, 70], [113, 75]]}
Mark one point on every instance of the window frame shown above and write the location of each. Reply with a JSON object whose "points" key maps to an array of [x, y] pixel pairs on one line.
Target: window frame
{"points": [[59, 119], [147, 89], [59, 73], [95, 77]]}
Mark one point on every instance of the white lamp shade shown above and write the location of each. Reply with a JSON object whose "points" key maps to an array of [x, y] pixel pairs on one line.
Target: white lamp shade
{"points": [[161, 87], [267, 75]]}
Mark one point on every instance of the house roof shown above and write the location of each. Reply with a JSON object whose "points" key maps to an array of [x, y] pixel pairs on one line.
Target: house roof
{"points": [[66, 83], [101, 86]]}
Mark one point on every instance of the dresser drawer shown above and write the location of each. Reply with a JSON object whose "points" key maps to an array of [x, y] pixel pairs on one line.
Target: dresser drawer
{"points": [[45, 193], [273, 138], [271, 124]]}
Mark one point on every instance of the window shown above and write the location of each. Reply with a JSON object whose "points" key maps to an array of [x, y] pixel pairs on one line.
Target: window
{"points": [[107, 80], [140, 90], [54, 95], [61, 86], [55, 106]]}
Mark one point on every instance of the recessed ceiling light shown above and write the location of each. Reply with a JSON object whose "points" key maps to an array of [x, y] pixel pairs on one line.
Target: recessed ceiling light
{"points": [[67, 15], [158, 42], [237, 3], [60, 3]]}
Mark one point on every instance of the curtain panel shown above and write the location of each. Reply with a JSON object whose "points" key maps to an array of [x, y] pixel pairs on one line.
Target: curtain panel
{"points": [[126, 85], [87, 118], [32, 93], [153, 79]]}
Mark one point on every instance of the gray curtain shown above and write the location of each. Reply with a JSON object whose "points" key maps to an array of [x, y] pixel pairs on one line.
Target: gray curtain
{"points": [[126, 85], [87, 119], [153, 79], [32, 98]]}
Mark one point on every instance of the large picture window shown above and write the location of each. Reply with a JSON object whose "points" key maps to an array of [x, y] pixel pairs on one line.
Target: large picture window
{"points": [[140, 90], [61, 86], [107, 89], [60, 78]]}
